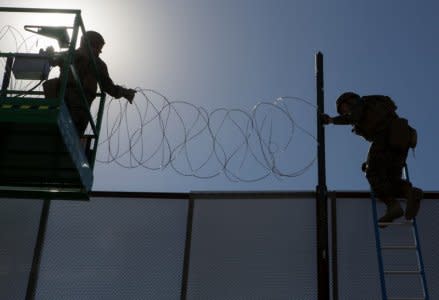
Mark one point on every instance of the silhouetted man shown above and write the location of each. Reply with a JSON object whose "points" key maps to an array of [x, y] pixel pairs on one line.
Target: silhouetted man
{"points": [[375, 119], [86, 72]]}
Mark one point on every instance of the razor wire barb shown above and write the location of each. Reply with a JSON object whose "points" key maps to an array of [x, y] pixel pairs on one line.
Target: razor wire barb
{"points": [[167, 133]]}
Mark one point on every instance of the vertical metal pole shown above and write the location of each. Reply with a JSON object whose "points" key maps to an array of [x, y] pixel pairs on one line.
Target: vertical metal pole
{"points": [[6, 76], [98, 122], [98, 130], [334, 248], [38, 250], [66, 64], [321, 191], [187, 250]]}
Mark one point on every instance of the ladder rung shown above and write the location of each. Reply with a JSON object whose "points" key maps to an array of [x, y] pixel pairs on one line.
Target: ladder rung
{"points": [[410, 222], [402, 272], [417, 271], [399, 298], [398, 247]]}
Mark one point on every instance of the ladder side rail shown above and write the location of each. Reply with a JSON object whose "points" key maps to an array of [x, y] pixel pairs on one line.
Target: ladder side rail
{"points": [[418, 247], [420, 261], [378, 248]]}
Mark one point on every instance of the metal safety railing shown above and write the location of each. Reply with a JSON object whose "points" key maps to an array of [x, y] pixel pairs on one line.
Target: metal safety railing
{"points": [[9, 97]]}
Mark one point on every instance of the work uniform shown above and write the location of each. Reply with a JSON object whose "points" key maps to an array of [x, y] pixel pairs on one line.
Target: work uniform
{"points": [[87, 75], [375, 119]]}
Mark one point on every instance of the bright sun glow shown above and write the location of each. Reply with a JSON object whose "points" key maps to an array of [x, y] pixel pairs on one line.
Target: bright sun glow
{"points": [[16, 38]]}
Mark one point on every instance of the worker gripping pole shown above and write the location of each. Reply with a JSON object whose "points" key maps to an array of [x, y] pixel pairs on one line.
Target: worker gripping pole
{"points": [[321, 192]]}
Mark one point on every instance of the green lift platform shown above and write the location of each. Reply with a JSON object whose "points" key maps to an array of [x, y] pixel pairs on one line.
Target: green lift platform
{"points": [[41, 155]]}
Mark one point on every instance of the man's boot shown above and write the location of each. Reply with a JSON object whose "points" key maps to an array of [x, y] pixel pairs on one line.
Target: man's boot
{"points": [[414, 196], [393, 211]]}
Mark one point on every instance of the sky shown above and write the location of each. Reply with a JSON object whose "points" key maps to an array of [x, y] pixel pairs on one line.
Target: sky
{"points": [[226, 57], [233, 55]]}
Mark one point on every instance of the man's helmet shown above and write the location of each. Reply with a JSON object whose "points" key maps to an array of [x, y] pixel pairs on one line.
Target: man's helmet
{"points": [[95, 39], [348, 97]]}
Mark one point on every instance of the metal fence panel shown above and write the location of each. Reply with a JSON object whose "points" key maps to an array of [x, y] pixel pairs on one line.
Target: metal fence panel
{"points": [[253, 249], [428, 227], [358, 273], [242, 248], [113, 248], [19, 219]]}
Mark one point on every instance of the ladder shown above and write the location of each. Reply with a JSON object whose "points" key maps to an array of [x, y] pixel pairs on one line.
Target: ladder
{"points": [[399, 273]]}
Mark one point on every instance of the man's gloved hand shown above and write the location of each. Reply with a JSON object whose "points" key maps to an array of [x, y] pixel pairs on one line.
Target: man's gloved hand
{"points": [[364, 167], [326, 119], [50, 51], [129, 94]]}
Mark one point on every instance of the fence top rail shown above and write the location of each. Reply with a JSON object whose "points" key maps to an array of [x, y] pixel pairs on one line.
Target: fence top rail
{"points": [[206, 195], [252, 194], [366, 194]]}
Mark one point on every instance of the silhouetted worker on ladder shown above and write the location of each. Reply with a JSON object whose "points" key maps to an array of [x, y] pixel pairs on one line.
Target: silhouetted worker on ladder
{"points": [[375, 119], [87, 75]]}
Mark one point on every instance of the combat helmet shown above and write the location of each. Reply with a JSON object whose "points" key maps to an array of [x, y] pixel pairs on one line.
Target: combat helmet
{"points": [[347, 97], [95, 39]]}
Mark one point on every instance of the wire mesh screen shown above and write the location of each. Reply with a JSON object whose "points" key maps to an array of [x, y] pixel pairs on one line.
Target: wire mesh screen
{"points": [[253, 249], [125, 248], [428, 226], [19, 219], [242, 248], [110, 248], [358, 274]]}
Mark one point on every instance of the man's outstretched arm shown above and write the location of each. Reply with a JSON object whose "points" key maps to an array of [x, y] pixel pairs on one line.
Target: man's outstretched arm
{"points": [[337, 120]]}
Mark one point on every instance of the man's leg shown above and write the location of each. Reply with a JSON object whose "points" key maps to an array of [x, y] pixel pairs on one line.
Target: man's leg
{"points": [[393, 211], [377, 175], [414, 196], [403, 187], [78, 114], [80, 119]]}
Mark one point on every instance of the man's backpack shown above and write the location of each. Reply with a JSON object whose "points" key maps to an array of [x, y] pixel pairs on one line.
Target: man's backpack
{"points": [[377, 113], [383, 112], [402, 135]]}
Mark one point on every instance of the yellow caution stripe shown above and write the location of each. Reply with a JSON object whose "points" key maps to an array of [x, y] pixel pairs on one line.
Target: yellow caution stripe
{"points": [[27, 107]]}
